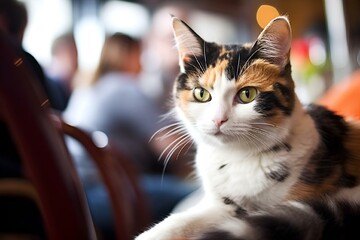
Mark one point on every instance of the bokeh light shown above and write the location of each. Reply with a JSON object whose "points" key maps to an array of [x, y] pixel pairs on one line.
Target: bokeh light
{"points": [[265, 14]]}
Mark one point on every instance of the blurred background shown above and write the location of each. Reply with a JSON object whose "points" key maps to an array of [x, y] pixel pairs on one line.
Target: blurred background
{"points": [[107, 68], [326, 33]]}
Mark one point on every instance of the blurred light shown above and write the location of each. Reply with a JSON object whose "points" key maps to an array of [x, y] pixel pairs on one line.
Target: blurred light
{"points": [[47, 20], [89, 36], [339, 49], [126, 17], [100, 139], [265, 14], [317, 52], [222, 29]]}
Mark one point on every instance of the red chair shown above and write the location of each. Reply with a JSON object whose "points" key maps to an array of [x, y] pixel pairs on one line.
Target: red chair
{"points": [[43, 153], [343, 98]]}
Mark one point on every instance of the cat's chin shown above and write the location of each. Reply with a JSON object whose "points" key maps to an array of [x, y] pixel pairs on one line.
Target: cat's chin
{"points": [[219, 137]]}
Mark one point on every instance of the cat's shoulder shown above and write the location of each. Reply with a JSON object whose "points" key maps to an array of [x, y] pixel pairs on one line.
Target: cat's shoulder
{"points": [[335, 129], [327, 122], [323, 116]]}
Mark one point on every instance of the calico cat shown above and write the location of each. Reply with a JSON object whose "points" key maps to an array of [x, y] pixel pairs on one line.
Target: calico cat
{"points": [[270, 168]]}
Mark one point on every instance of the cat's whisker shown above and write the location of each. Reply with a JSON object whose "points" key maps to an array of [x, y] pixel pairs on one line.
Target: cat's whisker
{"points": [[172, 144], [268, 134], [163, 129], [259, 140], [184, 140], [243, 69], [238, 66], [198, 62], [245, 139], [204, 52], [264, 124], [264, 132], [195, 67], [174, 131]]}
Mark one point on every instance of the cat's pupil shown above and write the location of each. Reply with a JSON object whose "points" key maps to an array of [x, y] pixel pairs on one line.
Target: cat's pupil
{"points": [[247, 93], [202, 93]]}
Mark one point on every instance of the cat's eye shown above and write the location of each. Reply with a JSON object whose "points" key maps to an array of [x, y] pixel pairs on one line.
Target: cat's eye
{"points": [[247, 94], [201, 94]]}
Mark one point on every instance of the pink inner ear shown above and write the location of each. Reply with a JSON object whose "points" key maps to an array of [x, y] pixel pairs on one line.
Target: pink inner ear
{"points": [[185, 58], [187, 41], [276, 40], [282, 32]]}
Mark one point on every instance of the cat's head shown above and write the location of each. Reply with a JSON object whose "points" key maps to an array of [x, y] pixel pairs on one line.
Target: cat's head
{"points": [[235, 93]]}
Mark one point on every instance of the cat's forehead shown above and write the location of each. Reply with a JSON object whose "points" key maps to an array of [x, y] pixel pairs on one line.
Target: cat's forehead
{"points": [[231, 63]]}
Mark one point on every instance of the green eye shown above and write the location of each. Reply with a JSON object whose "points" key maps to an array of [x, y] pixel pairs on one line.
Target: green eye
{"points": [[201, 94], [247, 94]]}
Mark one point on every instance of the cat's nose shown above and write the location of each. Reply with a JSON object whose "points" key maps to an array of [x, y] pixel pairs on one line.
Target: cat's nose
{"points": [[220, 121]]}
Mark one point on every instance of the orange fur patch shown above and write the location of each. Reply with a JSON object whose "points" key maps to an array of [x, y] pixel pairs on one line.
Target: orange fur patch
{"points": [[303, 191], [184, 98], [213, 73], [259, 74]]}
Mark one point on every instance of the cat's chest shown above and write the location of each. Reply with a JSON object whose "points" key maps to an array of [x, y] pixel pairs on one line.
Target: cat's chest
{"points": [[239, 176]]}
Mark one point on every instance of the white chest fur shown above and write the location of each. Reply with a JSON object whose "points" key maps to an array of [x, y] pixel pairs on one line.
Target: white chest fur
{"points": [[236, 175]]}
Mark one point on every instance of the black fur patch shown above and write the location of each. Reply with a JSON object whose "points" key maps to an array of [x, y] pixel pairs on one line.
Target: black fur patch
{"points": [[239, 211], [182, 82], [331, 153], [268, 101], [228, 201], [218, 235], [285, 222], [280, 174], [237, 60], [347, 180], [343, 223], [276, 228], [280, 147], [222, 166]]}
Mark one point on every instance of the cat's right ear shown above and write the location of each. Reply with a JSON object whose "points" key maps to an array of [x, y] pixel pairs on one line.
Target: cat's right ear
{"points": [[188, 43], [274, 42]]}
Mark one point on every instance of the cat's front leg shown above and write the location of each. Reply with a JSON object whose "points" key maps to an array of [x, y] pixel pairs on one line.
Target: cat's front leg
{"points": [[186, 225]]}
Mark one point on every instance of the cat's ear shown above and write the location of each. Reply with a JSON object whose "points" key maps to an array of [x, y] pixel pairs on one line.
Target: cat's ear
{"points": [[188, 43], [275, 41]]}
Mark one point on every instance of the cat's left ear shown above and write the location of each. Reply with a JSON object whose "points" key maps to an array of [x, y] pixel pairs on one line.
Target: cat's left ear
{"points": [[188, 43], [275, 41]]}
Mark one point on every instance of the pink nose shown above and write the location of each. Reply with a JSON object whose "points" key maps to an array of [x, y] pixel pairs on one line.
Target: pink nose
{"points": [[220, 121]]}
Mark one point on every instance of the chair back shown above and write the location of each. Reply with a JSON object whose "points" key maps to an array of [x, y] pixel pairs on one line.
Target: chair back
{"points": [[45, 158], [131, 212]]}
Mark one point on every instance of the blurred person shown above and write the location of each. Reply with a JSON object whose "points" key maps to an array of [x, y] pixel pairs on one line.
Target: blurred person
{"points": [[13, 22], [114, 104], [63, 66], [160, 55]]}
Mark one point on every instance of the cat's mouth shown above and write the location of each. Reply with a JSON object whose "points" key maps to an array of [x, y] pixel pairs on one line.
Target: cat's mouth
{"points": [[220, 134]]}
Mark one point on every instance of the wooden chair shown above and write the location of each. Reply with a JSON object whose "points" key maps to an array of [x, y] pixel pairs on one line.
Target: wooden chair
{"points": [[129, 205], [54, 184], [44, 156]]}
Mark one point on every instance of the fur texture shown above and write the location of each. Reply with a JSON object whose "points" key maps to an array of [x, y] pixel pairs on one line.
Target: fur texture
{"points": [[270, 168]]}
